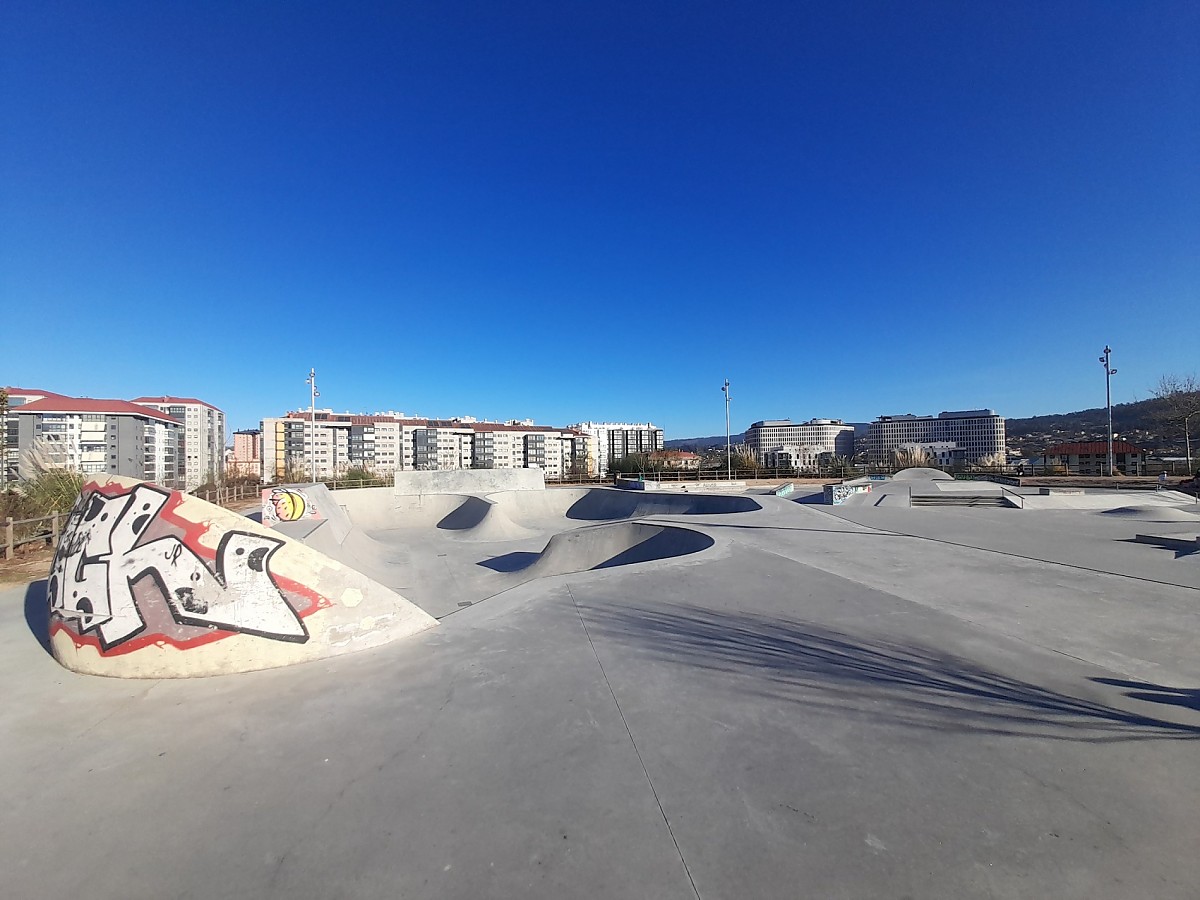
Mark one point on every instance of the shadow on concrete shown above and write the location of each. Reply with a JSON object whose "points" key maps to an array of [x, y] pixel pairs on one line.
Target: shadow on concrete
{"points": [[1188, 698], [255, 516], [817, 499], [604, 547], [1180, 548], [467, 515], [511, 562], [599, 505], [37, 612], [903, 684]]}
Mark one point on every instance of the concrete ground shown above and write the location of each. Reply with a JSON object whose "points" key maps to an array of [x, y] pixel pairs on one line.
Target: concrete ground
{"points": [[849, 702]]}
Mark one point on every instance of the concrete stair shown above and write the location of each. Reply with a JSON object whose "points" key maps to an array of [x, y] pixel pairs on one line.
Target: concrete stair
{"points": [[972, 501]]}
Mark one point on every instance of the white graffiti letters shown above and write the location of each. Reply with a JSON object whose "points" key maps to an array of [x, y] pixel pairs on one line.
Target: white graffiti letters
{"points": [[99, 561]]}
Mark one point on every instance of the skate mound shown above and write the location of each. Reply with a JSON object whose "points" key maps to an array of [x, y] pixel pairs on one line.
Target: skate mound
{"points": [[921, 473], [1157, 513], [602, 547]]}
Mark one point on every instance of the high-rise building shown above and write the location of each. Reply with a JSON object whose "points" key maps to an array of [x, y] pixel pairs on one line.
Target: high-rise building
{"points": [[203, 451], [975, 433], [98, 436], [616, 440]]}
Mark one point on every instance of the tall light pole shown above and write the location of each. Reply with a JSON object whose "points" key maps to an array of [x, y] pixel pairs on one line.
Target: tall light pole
{"points": [[1109, 372], [728, 449], [312, 418]]}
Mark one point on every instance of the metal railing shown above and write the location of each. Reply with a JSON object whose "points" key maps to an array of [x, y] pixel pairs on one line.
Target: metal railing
{"points": [[18, 532]]}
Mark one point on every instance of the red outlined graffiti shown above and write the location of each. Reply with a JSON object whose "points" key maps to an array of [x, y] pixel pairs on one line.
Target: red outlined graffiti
{"points": [[129, 572]]}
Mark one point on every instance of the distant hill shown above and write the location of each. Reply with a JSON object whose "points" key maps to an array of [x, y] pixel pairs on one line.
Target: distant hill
{"points": [[700, 444], [1135, 422]]}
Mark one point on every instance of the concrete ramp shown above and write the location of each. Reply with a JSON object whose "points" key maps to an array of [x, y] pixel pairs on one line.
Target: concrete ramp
{"points": [[153, 583]]}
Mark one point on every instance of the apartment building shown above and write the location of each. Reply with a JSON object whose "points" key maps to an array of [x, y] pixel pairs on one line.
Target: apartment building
{"points": [[335, 443], [203, 449], [975, 434], [798, 444], [97, 436], [246, 458], [10, 458], [616, 440]]}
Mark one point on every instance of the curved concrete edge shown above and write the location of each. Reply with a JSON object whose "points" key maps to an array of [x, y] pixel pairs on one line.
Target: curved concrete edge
{"points": [[615, 544], [152, 583]]}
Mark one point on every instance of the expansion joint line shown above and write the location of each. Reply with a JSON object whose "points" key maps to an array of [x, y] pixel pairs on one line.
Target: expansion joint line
{"points": [[637, 752]]}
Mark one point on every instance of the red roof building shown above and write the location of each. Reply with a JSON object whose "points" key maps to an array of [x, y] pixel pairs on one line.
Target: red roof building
{"points": [[82, 434], [1091, 458]]}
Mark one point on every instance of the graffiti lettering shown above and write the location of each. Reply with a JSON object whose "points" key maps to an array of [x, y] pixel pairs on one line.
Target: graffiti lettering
{"points": [[101, 561], [287, 505]]}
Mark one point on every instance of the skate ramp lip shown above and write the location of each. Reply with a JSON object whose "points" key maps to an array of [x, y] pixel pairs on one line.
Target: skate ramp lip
{"points": [[514, 515], [602, 547]]}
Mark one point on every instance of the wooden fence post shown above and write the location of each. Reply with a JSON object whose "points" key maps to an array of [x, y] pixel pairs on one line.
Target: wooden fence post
{"points": [[8, 537], [54, 530]]}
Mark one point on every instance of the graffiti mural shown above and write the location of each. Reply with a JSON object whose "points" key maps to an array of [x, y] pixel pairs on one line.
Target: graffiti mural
{"points": [[287, 505], [838, 494], [125, 568]]}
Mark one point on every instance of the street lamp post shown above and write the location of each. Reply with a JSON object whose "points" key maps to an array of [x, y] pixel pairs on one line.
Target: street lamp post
{"points": [[1109, 372], [312, 418], [728, 449]]}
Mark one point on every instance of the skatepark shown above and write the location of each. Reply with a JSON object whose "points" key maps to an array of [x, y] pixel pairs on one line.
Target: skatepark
{"points": [[930, 689]]}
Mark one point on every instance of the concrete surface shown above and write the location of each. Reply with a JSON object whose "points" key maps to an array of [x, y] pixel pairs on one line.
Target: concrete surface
{"points": [[839, 703]]}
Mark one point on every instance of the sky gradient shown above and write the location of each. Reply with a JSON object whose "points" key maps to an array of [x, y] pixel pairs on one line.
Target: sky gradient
{"points": [[601, 211]]}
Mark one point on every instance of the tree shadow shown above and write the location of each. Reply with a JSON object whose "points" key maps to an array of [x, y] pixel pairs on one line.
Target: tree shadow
{"points": [[904, 684], [37, 612], [1188, 698]]}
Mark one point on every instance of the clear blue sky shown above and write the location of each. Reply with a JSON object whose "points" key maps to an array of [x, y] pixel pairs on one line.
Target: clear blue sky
{"points": [[573, 211]]}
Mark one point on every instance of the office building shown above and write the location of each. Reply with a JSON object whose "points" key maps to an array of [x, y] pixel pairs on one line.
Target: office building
{"points": [[976, 434], [781, 443]]}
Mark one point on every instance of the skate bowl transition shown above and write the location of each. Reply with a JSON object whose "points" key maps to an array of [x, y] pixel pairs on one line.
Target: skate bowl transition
{"points": [[153, 583], [449, 550]]}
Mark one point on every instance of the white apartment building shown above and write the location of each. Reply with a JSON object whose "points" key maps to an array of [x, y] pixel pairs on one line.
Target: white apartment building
{"points": [[799, 440], [98, 436], [203, 450], [384, 444], [616, 440], [975, 434]]}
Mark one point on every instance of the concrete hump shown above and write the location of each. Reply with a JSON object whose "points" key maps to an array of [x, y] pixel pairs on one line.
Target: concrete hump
{"points": [[922, 473], [602, 547], [153, 583]]}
